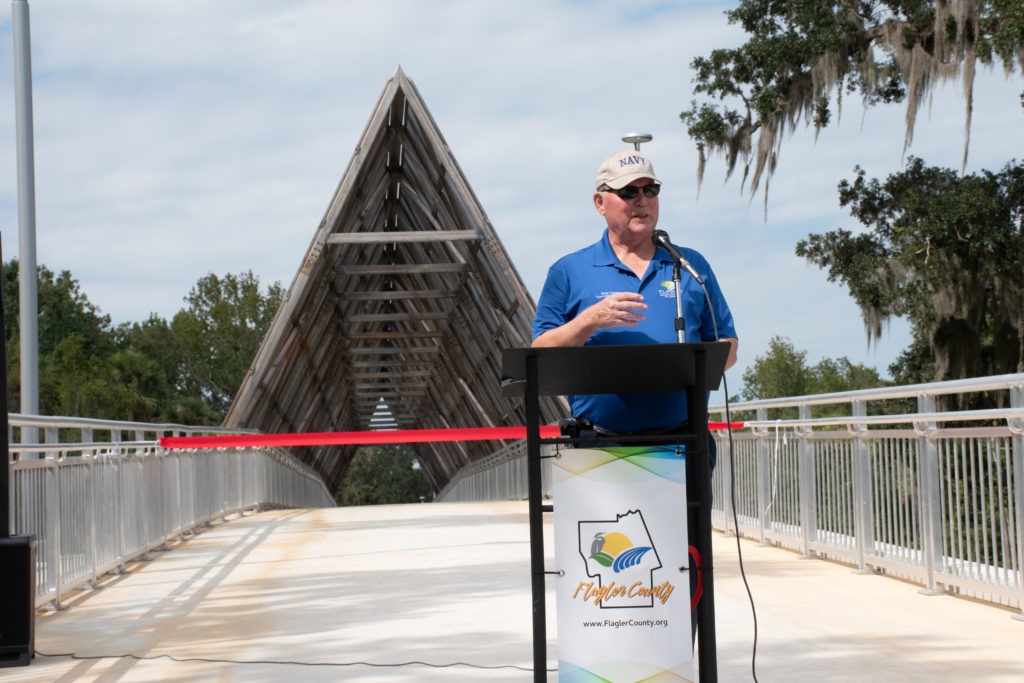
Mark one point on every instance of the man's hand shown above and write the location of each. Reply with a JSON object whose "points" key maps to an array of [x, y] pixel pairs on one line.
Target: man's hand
{"points": [[621, 309]]}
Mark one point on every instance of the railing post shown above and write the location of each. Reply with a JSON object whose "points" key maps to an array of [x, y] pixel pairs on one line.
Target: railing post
{"points": [[117, 458], [93, 536], [863, 518], [728, 474], [808, 474], [53, 505], [1017, 455], [764, 478], [223, 463], [931, 498], [243, 474], [51, 435]]}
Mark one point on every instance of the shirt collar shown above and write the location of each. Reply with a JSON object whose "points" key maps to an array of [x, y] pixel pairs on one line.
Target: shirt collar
{"points": [[604, 255]]}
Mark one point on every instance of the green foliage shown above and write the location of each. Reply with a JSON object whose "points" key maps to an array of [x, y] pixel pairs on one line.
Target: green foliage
{"points": [[74, 340], [782, 372], [149, 361], [185, 372], [219, 334], [802, 55], [384, 475], [947, 252]]}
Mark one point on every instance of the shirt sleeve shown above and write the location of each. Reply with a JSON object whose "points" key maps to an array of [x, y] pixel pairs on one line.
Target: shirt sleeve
{"points": [[553, 306]]}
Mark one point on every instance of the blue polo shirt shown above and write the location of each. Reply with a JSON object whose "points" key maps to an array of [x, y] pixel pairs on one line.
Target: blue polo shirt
{"points": [[580, 279]]}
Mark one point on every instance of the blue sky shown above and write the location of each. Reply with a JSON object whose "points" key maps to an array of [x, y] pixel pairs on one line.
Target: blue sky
{"points": [[179, 138]]}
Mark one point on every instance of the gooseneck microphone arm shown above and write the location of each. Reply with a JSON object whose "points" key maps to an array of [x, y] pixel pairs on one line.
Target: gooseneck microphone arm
{"points": [[661, 239], [677, 279]]}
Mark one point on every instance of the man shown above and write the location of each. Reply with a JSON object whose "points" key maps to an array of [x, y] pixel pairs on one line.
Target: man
{"points": [[620, 291]]}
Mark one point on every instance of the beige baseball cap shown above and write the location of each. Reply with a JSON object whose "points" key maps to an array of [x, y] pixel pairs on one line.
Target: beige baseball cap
{"points": [[622, 168]]}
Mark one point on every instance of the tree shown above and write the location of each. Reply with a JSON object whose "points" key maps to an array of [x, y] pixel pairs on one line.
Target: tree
{"points": [[150, 361], [801, 54], [944, 250], [74, 340], [185, 372], [783, 371], [219, 334], [384, 475]]}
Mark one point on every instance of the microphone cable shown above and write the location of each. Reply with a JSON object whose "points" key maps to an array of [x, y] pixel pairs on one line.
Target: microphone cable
{"points": [[285, 662], [732, 489], [736, 527]]}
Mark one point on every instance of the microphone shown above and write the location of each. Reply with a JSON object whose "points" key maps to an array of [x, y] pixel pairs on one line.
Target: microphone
{"points": [[661, 239]]}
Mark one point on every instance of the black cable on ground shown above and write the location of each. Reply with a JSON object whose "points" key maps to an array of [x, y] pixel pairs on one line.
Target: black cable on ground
{"points": [[205, 660], [736, 527]]}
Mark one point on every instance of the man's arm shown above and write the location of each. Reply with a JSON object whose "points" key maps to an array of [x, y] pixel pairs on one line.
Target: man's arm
{"points": [[622, 309], [734, 347]]}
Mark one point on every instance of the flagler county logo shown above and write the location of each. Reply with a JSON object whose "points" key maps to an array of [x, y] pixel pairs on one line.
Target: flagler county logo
{"points": [[620, 557], [615, 550]]}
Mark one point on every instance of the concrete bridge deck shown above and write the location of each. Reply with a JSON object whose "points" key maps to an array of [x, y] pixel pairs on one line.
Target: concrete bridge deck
{"points": [[440, 592]]}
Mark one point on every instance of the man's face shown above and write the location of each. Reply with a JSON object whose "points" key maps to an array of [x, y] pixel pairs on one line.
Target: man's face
{"points": [[629, 219]]}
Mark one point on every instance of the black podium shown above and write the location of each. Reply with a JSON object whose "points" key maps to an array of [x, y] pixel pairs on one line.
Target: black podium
{"points": [[640, 368]]}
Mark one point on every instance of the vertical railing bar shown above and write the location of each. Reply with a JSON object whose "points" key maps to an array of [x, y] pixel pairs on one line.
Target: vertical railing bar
{"points": [[885, 502], [991, 505], [931, 521], [806, 487], [93, 537], [948, 474], [55, 535]]}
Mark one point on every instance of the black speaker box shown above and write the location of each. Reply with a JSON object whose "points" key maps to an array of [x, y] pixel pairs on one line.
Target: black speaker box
{"points": [[17, 604]]}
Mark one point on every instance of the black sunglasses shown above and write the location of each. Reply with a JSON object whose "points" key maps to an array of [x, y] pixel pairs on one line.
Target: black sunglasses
{"points": [[631, 191]]}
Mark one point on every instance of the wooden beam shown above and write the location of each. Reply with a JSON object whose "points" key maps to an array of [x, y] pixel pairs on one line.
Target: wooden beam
{"points": [[399, 295], [397, 372], [402, 236], [388, 317], [363, 364], [393, 350], [397, 334], [404, 269]]}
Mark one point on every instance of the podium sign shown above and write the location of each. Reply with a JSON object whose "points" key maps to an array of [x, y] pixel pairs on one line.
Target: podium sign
{"points": [[622, 592], [602, 499]]}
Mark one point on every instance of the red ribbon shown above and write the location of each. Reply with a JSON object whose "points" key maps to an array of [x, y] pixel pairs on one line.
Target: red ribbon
{"points": [[388, 436]]}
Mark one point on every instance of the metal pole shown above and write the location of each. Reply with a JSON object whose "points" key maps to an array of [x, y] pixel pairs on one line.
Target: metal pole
{"points": [[28, 299], [700, 467], [537, 576]]}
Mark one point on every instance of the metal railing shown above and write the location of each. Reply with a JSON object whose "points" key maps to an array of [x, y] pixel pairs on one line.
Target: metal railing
{"points": [[933, 497], [98, 494], [499, 476]]}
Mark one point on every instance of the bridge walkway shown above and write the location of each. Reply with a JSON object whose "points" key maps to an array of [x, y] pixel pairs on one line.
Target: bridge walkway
{"points": [[441, 592]]}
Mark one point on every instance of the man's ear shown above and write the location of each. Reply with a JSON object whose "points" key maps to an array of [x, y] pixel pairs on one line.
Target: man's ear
{"points": [[599, 202]]}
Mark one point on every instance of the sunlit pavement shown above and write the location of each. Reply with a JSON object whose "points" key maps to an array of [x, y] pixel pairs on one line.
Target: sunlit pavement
{"points": [[441, 592]]}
